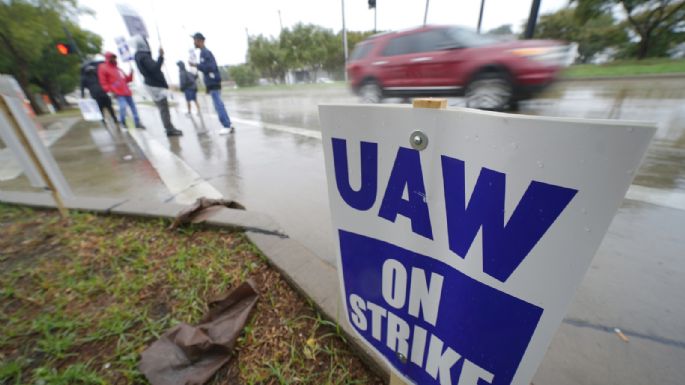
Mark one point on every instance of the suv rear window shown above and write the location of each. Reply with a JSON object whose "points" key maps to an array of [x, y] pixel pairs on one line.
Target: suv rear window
{"points": [[361, 51]]}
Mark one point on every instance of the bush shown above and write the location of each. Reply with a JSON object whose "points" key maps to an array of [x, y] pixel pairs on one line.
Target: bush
{"points": [[243, 74]]}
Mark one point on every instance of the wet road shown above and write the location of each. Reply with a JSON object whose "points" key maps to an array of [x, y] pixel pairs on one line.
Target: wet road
{"points": [[274, 164]]}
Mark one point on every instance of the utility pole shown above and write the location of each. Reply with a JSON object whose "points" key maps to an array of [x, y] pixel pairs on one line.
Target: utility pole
{"points": [[280, 21], [344, 31], [425, 15], [480, 15], [247, 52], [532, 19]]}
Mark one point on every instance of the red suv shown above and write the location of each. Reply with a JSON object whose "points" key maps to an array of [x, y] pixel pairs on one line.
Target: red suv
{"points": [[445, 60]]}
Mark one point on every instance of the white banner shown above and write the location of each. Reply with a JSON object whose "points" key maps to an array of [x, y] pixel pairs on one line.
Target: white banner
{"points": [[90, 110]]}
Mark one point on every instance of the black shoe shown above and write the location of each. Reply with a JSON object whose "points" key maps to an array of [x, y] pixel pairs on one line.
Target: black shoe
{"points": [[140, 125], [174, 132]]}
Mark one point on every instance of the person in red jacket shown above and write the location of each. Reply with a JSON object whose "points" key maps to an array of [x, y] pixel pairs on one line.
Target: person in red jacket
{"points": [[112, 79]]}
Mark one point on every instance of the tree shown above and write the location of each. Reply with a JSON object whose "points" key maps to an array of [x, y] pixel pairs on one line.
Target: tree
{"points": [[650, 20], [501, 30], [267, 57], [306, 46], [243, 75], [29, 31], [592, 35]]}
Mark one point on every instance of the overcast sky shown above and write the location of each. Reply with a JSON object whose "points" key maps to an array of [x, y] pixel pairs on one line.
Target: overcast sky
{"points": [[224, 23]]}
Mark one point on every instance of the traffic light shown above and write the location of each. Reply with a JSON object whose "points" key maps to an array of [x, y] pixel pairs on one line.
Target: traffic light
{"points": [[63, 48], [372, 4]]}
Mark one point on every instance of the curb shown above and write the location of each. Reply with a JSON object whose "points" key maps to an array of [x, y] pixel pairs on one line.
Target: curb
{"points": [[307, 273], [674, 75]]}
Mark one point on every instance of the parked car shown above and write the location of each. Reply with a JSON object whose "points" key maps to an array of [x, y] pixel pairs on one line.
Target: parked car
{"points": [[449, 60]]}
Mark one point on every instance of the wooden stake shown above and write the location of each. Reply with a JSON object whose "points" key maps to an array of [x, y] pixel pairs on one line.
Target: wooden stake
{"points": [[437, 103], [32, 154], [394, 380]]}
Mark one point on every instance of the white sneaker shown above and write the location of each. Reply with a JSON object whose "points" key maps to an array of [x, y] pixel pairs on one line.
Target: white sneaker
{"points": [[224, 131]]}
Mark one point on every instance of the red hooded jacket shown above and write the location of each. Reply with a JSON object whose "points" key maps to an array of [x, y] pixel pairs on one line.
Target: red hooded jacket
{"points": [[112, 79]]}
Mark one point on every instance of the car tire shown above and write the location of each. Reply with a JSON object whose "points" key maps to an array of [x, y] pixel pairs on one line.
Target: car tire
{"points": [[371, 92], [491, 91]]}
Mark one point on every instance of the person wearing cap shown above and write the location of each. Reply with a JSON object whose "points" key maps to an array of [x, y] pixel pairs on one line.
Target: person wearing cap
{"points": [[155, 82], [112, 79], [212, 78]]}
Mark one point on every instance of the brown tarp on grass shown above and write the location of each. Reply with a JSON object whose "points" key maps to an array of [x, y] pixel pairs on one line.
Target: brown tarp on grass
{"points": [[202, 209], [190, 355]]}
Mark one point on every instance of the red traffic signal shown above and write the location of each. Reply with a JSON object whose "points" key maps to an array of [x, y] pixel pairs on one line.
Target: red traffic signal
{"points": [[63, 49]]}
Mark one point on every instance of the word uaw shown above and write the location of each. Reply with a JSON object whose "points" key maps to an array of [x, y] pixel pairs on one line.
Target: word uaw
{"points": [[423, 349], [504, 245]]}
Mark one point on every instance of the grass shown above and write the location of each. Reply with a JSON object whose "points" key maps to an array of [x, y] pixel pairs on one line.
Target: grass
{"points": [[81, 298], [626, 68]]}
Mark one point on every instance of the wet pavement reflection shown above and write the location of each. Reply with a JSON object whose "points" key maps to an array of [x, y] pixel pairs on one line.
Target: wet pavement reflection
{"points": [[661, 101]]}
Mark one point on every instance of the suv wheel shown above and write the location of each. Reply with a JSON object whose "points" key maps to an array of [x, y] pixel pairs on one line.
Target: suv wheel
{"points": [[370, 92], [489, 91]]}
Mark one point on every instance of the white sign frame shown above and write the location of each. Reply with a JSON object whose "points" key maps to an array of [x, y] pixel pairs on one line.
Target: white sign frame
{"points": [[598, 158]]}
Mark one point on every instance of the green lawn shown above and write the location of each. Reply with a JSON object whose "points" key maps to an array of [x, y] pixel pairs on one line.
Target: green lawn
{"points": [[81, 298], [626, 68]]}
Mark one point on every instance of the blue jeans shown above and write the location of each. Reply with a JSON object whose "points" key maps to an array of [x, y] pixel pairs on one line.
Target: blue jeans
{"points": [[220, 108], [123, 101]]}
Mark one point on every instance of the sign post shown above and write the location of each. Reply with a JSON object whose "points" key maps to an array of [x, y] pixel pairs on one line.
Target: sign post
{"points": [[462, 235], [17, 130]]}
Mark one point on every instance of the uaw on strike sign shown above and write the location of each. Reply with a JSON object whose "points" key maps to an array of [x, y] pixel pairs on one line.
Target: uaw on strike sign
{"points": [[458, 260]]}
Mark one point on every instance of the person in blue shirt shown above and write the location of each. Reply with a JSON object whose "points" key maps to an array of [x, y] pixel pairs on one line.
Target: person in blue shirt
{"points": [[212, 78]]}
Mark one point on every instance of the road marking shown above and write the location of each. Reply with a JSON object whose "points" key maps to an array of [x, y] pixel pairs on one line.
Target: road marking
{"points": [[184, 183], [278, 127], [665, 198], [10, 169]]}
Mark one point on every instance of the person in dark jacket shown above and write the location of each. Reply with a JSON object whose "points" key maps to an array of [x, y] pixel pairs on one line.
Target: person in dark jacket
{"points": [[188, 81], [212, 78], [155, 82], [90, 81]]}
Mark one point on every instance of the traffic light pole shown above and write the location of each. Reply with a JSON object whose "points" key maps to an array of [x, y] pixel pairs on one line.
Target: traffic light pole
{"points": [[72, 42]]}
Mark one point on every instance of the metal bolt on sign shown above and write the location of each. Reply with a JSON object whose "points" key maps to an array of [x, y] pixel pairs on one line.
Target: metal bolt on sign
{"points": [[418, 140], [402, 358]]}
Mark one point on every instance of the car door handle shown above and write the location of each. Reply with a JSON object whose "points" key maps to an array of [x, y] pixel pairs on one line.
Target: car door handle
{"points": [[379, 63], [420, 59]]}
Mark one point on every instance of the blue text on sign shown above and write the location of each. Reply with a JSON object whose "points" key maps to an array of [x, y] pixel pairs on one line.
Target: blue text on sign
{"points": [[504, 245]]}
